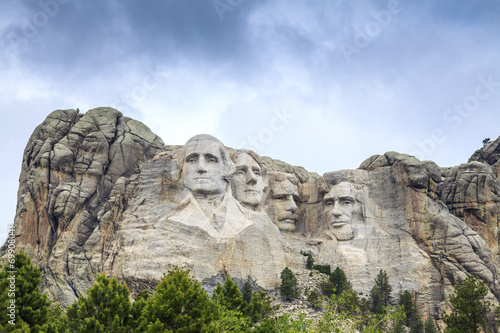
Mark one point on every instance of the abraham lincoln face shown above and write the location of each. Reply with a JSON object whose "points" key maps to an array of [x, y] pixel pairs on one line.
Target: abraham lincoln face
{"points": [[338, 206]]}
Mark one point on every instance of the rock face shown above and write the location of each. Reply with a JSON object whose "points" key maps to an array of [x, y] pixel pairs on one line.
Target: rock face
{"points": [[100, 192], [76, 173]]}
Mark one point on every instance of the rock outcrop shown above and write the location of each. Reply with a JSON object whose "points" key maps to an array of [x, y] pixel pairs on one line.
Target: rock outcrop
{"points": [[100, 192], [76, 174]]}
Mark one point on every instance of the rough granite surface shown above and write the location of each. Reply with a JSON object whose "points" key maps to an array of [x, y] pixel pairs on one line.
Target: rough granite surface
{"points": [[99, 192]]}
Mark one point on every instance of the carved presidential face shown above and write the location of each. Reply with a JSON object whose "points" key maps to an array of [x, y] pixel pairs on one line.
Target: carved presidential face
{"points": [[248, 184], [281, 208], [203, 168], [338, 206]]}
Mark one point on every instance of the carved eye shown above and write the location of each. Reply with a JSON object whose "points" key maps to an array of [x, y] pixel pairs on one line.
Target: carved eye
{"points": [[329, 203], [256, 172], [346, 203], [240, 172], [191, 160], [212, 160]]}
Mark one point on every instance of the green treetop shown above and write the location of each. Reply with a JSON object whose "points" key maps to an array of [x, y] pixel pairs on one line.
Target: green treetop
{"points": [[289, 286], [469, 309], [179, 305], [340, 281], [19, 282], [106, 308], [380, 294]]}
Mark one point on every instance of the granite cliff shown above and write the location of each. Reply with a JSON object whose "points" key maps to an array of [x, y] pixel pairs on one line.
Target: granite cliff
{"points": [[99, 192]]}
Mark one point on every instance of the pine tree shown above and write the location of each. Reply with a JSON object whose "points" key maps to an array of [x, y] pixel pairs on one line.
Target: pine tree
{"points": [[261, 307], [141, 299], [340, 281], [314, 299], [57, 321], [417, 326], [22, 288], [247, 292], [105, 308], [289, 286], [179, 304], [327, 287], [380, 294], [229, 296], [430, 326], [409, 309], [469, 309], [309, 261]]}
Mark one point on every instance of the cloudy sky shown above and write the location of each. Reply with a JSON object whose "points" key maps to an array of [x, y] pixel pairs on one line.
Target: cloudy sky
{"points": [[321, 84]]}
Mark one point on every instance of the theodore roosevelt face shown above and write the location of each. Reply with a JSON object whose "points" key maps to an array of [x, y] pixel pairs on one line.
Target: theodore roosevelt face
{"points": [[282, 206]]}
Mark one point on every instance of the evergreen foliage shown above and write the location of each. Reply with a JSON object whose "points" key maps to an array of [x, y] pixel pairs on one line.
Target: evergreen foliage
{"points": [[417, 326], [230, 321], [229, 296], [31, 306], [380, 294], [413, 319], [325, 269], [327, 287], [430, 326], [314, 299], [340, 281], [105, 308], [309, 262], [141, 299], [289, 285], [347, 302], [247, 292], [263, 302], [178, 305], [57, 321], [469, 309]]}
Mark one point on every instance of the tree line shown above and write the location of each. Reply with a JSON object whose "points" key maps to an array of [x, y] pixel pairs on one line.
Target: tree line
{"points": [[180, 304]]}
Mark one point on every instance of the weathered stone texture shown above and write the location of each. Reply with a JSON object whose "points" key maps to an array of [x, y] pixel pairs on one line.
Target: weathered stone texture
{"points": [[75, 180], [100, 192]]}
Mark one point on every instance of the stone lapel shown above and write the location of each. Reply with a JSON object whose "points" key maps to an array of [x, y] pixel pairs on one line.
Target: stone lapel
{"points": [[230, 213]]}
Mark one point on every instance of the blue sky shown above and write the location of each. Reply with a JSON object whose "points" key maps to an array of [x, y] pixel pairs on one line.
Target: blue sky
{"points": [[321, 84]]}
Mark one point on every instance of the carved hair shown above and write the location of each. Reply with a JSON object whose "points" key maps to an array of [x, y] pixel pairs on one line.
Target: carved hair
{"points": [[278, 177], [257, 158], [356, 192]]}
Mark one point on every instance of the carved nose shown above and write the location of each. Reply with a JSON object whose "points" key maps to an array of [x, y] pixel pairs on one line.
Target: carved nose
{"points": [[251, 179], [202, 166], [336, 211], [291, 205]]}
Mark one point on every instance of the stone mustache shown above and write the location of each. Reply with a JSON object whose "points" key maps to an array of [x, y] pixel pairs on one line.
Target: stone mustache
{"points": [[99, 192]]}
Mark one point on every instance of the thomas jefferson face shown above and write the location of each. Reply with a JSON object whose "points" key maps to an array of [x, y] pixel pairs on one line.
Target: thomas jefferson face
{"points": [[282, 207], [247, 181], [338, 208], [203, 168]]}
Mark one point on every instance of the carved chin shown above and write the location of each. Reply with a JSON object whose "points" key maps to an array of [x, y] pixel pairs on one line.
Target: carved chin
{"points": [[250, 200], [344, 234], [286, 225]]}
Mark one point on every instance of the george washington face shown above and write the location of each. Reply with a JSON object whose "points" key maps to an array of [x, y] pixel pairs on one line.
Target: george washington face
{"points": [[203, 168]]}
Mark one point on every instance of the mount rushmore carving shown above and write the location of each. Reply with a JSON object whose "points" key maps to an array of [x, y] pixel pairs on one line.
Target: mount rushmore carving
{"points": [[99, 192]]}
